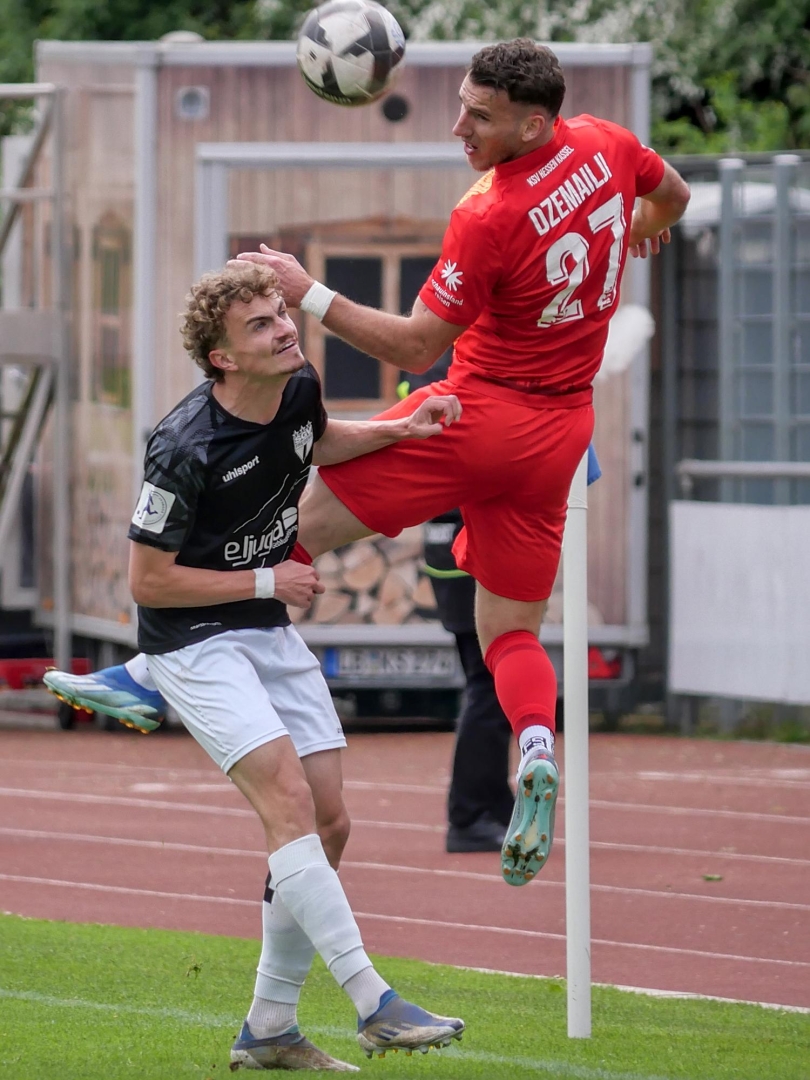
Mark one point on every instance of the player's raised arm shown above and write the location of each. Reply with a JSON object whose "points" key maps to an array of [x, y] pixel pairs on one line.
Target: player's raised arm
{"points": [[344, 440], [410, 342], [656, 212]]}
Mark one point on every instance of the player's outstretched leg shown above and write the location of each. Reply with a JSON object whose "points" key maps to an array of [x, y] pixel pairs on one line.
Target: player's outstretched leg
{"points": [[111, 691], [399, 1025], [527, 690], [531, 831]]}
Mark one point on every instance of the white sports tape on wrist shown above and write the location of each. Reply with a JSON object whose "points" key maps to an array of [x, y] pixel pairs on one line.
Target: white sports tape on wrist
{"points": [[265, 583], [317, 300]]}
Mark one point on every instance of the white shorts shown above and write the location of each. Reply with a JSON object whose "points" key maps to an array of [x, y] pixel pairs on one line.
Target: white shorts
{"points": [[242, 688]]}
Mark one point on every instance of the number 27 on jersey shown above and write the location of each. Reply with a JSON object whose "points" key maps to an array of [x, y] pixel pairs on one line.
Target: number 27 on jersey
{"points": [[567, 265]]}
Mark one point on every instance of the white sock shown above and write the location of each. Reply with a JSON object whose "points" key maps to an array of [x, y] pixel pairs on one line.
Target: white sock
{"points": [[267, 1019], [365, 989], [313, 895], [533, 738], [139, 672], [285, 961]]}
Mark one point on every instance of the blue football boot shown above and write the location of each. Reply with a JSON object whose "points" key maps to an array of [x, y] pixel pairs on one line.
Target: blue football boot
{"points": [[111, 691], [399, 1025], [289, 1051]]}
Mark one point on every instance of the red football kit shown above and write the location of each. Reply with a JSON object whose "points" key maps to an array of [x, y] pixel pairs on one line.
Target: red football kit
{"points": [[531, 263]]}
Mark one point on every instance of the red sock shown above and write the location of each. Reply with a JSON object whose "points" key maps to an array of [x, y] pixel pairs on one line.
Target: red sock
{"points": [[300, 554], [525, 680]]}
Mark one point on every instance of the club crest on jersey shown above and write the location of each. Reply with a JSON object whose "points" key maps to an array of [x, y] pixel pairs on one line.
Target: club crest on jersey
{"points": [[480, 187], [303, 439], [452, 277]]}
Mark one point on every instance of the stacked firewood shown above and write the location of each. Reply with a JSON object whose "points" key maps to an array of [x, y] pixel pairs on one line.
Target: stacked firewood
{"points": [[373, 581]]}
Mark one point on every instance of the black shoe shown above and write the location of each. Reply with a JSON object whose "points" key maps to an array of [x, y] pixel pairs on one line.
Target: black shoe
{"points": [[485, 834]]}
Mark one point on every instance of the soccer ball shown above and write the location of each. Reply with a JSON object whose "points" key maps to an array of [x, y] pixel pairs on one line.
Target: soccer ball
{"points": [[350, 51]]}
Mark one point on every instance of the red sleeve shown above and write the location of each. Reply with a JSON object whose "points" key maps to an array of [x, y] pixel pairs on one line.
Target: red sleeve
{"points": [[461, 283], [649, 169]]}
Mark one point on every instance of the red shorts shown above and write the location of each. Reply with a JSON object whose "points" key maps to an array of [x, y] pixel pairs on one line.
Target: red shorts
{"points": [[508, 466]]}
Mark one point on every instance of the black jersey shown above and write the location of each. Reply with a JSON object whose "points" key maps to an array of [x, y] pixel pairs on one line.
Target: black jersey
{"points": [[223, 493]]}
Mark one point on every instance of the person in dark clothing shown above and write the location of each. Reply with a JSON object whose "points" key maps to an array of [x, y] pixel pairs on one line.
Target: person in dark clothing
{"points": [[479, 802]]}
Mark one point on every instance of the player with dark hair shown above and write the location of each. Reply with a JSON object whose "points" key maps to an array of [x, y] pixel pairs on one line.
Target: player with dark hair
{"points": [[527, 281]]}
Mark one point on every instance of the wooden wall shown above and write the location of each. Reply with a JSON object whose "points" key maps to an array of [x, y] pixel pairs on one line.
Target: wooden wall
{"points": [[99, 132], [267, 104]]}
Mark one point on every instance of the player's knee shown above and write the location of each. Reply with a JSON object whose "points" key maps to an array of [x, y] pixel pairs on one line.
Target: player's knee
{"points": [[334, 833], [289, 812], [494, 620]]}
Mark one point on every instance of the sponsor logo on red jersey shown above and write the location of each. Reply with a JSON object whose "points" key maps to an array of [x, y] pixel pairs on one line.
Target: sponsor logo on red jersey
{"points": [[452, 277]]}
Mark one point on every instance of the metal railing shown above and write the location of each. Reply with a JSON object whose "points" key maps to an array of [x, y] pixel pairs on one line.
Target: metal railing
{"points": [[691, 469], [36, 338]]}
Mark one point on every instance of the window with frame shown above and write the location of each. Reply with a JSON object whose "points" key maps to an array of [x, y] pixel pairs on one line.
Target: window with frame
{"points": [[387, 276], [377, 264]]}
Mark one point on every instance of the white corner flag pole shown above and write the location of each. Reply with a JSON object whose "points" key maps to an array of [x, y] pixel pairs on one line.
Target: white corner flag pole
{"points": [[575, 699]]}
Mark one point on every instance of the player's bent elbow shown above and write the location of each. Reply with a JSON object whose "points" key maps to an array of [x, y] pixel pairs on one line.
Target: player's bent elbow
{"points": [[420, 360], [139, 594], [682, 197], [146, 592], [420, 366]]}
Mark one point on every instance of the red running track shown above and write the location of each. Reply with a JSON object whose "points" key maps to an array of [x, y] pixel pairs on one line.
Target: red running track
{"points": [[146, 832]]}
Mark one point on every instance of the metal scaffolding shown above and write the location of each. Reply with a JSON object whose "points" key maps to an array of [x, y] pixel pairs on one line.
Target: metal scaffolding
{"points": [[34, 340]]}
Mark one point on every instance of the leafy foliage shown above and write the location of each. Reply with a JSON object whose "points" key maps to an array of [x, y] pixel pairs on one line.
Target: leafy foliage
{"points": [[727, 74]]}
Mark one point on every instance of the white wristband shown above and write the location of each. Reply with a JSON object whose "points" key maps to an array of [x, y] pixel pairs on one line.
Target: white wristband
{"points": [[265, 583], [317, 300]]}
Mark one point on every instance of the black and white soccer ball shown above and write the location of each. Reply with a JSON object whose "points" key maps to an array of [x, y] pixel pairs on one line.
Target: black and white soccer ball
{"points": [[350, 51]]}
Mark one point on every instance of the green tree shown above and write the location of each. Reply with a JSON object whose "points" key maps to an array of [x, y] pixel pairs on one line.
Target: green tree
{"points": [[727, 74], [22, 22]]}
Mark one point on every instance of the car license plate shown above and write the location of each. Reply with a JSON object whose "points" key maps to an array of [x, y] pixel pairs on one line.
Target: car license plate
{"points": [[379, 663]]}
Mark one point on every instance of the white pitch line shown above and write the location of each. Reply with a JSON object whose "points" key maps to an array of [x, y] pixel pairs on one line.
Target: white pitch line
{"points": [[601, 845], [400, 919], [125, 800], [42, 764], [193, 808], [594, 941], [695, 811], [206, 808], [390, 868], [121, 841], [752, 777], [21, 879], [605, 845], [208, 1020], [647, 991], [622, 890], [776, 775]]}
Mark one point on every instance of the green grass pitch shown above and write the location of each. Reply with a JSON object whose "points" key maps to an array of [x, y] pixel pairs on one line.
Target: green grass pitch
{"points": [[86, 1002]]}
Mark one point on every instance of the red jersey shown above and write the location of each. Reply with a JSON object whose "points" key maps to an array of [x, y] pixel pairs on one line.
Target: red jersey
{"points": [[533, 255]]}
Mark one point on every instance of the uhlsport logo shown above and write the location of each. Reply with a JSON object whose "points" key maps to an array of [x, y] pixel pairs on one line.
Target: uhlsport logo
{"points": [[240, 470], [303, 439], [452, 277], [152, 511], [243, 552]]}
